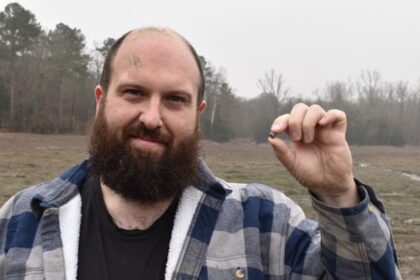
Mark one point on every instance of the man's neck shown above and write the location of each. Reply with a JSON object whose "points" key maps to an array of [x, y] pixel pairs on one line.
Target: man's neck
{"points": [[129, 214]]}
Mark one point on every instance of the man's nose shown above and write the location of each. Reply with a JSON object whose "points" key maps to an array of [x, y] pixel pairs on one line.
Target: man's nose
{"points": [[151, 115]]}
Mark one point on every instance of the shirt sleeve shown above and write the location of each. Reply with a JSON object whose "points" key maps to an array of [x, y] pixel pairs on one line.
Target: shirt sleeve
{"points": [[348, 243]]}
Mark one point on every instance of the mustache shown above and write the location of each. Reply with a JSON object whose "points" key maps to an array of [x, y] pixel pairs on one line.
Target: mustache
{"points": [[140, 130]]}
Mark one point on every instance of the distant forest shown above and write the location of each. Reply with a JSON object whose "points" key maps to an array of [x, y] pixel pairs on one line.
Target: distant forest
{"points": [[47, 80]]}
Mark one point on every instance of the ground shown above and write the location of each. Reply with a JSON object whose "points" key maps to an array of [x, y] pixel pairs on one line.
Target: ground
{"points": [[394, 172]]}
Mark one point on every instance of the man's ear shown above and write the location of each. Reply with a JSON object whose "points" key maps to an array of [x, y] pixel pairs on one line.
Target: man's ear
{"points": [[99, 94], [202, 106]]}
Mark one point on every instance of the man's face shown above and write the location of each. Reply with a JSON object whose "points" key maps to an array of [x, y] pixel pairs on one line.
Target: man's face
{"points": [[144, 141], [154, 82]]}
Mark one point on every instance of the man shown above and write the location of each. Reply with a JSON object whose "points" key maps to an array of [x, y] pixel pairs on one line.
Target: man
{"points": [[145, 206]]}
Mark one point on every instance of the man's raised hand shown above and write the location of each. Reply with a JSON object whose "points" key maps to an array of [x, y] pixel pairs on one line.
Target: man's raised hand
{"points": [[318, 155]]}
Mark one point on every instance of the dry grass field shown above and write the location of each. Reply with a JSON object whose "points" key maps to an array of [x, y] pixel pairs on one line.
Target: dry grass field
{"points": [[26, 159]]}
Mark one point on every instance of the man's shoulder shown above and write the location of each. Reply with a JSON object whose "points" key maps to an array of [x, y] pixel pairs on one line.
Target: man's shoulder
{"points": [[52, 193], [22, 201]]}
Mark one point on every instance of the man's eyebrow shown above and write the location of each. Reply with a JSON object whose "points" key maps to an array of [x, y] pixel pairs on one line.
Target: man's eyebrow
{"points": [[125, 85]]}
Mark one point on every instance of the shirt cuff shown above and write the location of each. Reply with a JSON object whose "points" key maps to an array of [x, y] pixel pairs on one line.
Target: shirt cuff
{"points": [[354, 210], [351, 221]]}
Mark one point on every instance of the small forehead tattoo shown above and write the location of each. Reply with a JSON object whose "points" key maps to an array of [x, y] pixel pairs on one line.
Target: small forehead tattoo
{"points": [[135, 60], [272, 134]]}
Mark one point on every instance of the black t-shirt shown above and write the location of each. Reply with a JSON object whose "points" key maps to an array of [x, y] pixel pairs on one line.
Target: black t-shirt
{"points": [[107, 252]]}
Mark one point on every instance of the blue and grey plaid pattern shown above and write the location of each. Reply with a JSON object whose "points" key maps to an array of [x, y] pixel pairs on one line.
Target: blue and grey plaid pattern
{"points": [[237, 232]]}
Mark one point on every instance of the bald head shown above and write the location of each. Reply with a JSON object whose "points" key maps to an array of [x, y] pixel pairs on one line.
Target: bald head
{"points": [[138, 35]]}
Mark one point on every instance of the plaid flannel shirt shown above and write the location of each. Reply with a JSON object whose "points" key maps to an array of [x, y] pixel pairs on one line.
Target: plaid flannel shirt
{"points": [[221, 231]]}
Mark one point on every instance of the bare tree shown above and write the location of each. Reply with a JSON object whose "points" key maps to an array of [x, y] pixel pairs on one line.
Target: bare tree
{"points": [[369, 85], [338, 92], [273, 83], [215, 85]]}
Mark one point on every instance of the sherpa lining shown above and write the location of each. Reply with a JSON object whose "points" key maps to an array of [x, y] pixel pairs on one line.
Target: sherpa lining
{"points": [[183, 218], [69, 218]]}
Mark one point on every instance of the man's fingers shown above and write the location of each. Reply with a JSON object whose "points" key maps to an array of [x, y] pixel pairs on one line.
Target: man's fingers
{"points": [[313, 115], [280, 124], [295, 121], [336, 118], [282, 151], [301, 124]]}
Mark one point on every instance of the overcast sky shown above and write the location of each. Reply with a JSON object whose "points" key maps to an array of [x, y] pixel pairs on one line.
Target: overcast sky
{"points": [[310, 42]]}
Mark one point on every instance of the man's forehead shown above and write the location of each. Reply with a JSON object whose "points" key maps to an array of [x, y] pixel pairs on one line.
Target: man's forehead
{"points": [[156, 40], [140, 35]]}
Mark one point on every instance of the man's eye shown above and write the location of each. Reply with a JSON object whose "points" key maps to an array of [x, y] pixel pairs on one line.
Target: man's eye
{"points": [[176, 99], [135, 92]]}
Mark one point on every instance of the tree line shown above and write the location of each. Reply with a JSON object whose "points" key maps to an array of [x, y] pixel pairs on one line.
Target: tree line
{"points": [[47, 80]]}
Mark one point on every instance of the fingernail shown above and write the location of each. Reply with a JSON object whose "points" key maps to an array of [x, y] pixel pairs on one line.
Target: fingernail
{"points": [[275, 127]]}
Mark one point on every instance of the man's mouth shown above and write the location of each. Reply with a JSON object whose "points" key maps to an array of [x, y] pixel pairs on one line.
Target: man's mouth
{"points": [[145, 139], [149, 139], [148, 143]]}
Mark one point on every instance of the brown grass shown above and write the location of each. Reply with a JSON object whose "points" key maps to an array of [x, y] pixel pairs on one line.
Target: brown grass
{"points": [[26, 159]]}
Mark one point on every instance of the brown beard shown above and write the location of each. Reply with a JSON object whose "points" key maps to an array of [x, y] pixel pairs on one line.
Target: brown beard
{"points": [[140, 175]]}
